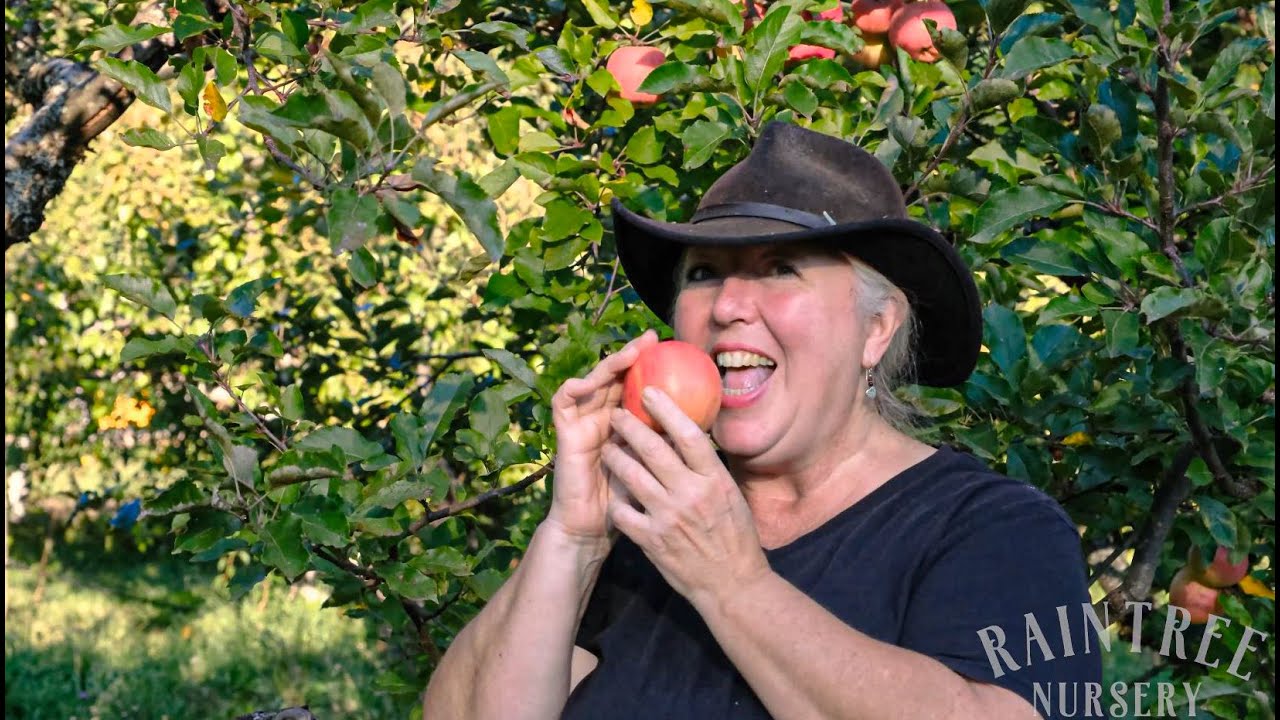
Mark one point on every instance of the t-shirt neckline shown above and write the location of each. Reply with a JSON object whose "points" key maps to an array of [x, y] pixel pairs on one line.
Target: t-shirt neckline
{"points": [[867, 503]]}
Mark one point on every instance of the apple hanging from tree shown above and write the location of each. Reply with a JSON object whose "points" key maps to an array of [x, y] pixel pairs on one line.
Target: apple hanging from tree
{"points": [[874, 53], [872, 17], [805, 52], [630, 65], [1220, 573], [681, 370], [1199, 600], [908, 31]]}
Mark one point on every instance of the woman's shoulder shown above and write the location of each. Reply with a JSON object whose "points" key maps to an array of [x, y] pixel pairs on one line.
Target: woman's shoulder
{"points": [[973, 492]]}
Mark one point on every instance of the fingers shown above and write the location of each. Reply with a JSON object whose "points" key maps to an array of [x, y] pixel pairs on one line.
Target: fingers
{"points": [[627, 469], [689, 448], [650, 449]]}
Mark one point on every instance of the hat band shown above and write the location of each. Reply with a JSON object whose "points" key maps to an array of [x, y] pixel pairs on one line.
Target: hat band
{"points": [[766, 211]]}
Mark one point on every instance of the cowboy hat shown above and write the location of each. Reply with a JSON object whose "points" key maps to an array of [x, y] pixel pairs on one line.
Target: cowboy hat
{"points": [[798, 185]]}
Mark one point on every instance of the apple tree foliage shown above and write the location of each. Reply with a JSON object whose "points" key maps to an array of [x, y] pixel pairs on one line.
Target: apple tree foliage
{"points": [[350, 331]]}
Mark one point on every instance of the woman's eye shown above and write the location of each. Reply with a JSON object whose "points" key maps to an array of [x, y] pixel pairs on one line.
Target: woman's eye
{"points": [[697, 273], [784, 268]]}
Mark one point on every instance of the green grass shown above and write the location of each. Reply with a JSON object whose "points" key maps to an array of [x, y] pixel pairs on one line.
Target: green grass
{"points": [[120, 634]]}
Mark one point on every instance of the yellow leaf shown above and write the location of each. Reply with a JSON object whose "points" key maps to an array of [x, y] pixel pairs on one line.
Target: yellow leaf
{"points": [[641, 13], [214, 106], [1076, 439], [1255, 587], [447, 43]]}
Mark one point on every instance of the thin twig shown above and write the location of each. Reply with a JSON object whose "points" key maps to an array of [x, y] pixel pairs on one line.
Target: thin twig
{"points": [[483, 497]]}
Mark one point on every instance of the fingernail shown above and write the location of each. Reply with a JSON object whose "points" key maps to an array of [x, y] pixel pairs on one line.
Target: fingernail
{"points": [[649, 395]]}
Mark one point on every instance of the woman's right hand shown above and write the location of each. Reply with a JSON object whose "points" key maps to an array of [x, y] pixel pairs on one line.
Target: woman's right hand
{"points": [[580, 409]]}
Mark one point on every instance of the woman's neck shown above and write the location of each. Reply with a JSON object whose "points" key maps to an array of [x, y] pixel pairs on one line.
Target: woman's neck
{"points": [[793, 499]]}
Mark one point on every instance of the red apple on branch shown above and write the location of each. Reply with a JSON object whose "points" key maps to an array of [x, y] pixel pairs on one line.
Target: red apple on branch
{"points": [[908, 31], [1199, 600], [872, 17], [1221, 572], [630, 65]]}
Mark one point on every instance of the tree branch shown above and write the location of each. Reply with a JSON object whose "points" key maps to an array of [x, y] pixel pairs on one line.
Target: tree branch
{"points": [[1174, 488], [483, 497], [75, 105]]}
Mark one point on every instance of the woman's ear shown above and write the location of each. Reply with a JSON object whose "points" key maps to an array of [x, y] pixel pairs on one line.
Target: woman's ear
{"points": [[881, 327]]}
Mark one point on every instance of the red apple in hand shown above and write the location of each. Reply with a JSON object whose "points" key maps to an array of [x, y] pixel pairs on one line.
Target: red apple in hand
{"points": [[684, 372], [1220, 573], [908, 31], [630, 65], [1199, 600]]}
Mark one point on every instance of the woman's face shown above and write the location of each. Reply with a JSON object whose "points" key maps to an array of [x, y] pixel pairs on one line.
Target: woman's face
{"points": [[782, 324]]}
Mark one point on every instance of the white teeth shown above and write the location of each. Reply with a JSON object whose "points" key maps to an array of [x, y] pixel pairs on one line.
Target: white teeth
{"points": [[742, 358]]}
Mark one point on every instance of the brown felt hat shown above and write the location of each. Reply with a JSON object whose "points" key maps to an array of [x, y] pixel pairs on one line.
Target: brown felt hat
{"points": [[798, 185]]}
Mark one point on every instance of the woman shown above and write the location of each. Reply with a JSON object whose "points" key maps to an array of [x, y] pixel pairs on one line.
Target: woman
{"points": [[821, 563]]}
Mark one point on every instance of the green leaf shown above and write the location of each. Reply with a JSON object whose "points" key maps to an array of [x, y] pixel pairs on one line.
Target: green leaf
{"points": [[993, 92], [242, 300], [1005, 338], [389, 84], [241, 464], [674, 76], [146, 137], [292, 406], [1044, 257], [468, 200], [600, 14], [114, 38], [701, 139], [246, 578], [393, 494], [503, 127], [505, 30], [1218, 518], [1228, 62], [485, 583], [1029, 25], [325, 527], [767, 47], [722, 12], [185, 26], [514, 365], [443, 402], [225, 66], [142, 347], [481, 63], [822, 74], [353, 444], [563, 219], [645, 147], [139, 80], [488, 414], [282, 546], [1033, 53], [1010, 208], [363, 267], [832, 35], [1165, 301], [800, 98], [144, 291], [1121, 332], [255, 114], [352, 219]]}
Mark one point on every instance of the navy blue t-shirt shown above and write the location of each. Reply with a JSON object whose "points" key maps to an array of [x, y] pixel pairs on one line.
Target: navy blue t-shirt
{"points": [[928, 561]]}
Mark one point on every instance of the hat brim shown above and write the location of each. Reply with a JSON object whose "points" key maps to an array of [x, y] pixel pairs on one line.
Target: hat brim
{"points": [[913, 256]]}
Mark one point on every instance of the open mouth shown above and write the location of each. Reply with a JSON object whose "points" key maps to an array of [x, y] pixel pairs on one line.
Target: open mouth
{"points": [[742, 371]]}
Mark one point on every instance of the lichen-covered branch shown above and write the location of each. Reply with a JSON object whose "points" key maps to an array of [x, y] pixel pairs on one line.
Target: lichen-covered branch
{"points": [[74, 104]]}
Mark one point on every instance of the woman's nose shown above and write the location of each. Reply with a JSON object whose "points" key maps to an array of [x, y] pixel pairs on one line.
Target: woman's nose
{"points": [[735, 300]]}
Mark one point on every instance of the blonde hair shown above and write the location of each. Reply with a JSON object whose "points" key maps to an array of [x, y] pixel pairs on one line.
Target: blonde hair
{"points": [[873, 294]]}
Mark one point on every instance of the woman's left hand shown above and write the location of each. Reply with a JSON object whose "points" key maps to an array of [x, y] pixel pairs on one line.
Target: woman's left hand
{"points": [[696, 527]]}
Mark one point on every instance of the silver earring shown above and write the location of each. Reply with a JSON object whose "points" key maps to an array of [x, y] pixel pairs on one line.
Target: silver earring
{"points": [[871, 386]]}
